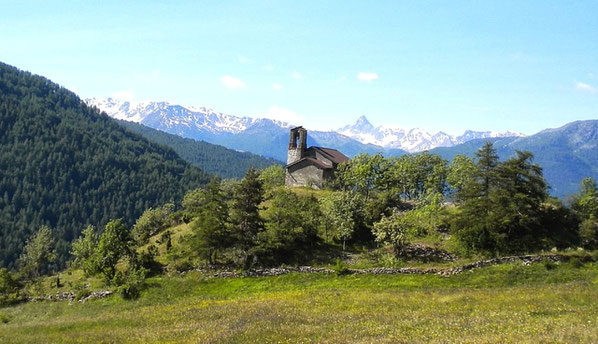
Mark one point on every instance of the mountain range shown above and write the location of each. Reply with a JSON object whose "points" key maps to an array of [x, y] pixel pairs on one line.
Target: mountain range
{"points": [[412, 140], [269, 137], [566, 154]]}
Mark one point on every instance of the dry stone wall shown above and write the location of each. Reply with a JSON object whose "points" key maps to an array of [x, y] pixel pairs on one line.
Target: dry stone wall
{"points": [[526, 260]]}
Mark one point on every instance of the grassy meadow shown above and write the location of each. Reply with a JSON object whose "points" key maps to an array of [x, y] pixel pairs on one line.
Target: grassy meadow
{"points": [[541, 303]]}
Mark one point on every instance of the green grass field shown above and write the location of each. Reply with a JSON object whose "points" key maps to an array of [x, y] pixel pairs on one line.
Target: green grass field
{"points": [[500, 304]]}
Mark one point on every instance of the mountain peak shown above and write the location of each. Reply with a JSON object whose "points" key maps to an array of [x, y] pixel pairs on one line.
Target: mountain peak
{"points": [[362, 120], [361, 125]]}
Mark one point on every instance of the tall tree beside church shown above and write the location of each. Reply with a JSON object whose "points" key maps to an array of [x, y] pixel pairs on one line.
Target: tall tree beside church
{"points": [[244, 216]]}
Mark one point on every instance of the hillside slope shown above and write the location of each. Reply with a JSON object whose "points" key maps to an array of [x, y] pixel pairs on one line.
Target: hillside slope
{"points": [[64, 165], [214, 159], [567, 154]]}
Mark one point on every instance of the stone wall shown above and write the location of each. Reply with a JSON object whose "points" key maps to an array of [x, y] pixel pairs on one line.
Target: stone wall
{"points": [[304, 176], [450, 271]]}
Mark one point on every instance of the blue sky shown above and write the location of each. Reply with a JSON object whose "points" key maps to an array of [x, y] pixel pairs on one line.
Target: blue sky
{"points": [[438, 65]]}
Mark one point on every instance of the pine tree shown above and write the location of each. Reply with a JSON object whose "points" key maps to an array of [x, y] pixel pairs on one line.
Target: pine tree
{"points": [[517, 203], [487, 160], [502, 209], [245, 217]]}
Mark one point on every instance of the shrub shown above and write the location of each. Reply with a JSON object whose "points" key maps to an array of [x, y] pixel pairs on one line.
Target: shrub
{"points": [[394, 230], [130, 283], [340, 269], [9, 288], [576, 262], [182, 265], [152, 222], [549, 265], [588, 231], [84, 251], [4, 319], [147, 260], [82, 293]]}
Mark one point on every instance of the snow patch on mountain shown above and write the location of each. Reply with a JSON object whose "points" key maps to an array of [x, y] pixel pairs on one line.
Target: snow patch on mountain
{"points": [[163, 115], [411, 140]]}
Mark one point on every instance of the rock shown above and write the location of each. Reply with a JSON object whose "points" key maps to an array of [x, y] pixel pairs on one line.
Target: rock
{"points": [[96, 295]]}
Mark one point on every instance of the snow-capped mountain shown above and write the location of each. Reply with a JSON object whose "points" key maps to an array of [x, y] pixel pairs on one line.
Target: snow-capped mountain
{"points": [[269, 137], [411, 140], [168, 115]]}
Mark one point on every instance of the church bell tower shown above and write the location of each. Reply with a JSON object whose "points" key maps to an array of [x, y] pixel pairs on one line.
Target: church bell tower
{"points": [[297, 151]]}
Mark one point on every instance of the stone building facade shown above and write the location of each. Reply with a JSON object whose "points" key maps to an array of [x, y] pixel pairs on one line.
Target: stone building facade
{"points": [[309, 166]]}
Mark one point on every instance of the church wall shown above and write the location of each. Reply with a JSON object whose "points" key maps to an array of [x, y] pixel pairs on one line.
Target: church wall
{"points": [[307, 175]]}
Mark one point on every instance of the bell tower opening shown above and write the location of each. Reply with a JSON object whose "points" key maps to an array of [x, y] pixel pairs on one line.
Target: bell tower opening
{"points": [[297, 149]]}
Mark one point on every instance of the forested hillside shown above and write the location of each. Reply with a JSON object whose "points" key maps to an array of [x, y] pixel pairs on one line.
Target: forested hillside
{"points": [[64, 165], [213, 159]]}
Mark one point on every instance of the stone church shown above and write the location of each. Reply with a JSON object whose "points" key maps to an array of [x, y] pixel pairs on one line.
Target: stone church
{"points": [[309, 166]]}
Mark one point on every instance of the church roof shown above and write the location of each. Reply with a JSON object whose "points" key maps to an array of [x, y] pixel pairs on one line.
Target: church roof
{"points": [[316, 162], [331, 154], [334, 155]]}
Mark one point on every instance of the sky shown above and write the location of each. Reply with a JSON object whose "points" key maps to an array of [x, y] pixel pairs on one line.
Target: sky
{"points": [[437, 65]]}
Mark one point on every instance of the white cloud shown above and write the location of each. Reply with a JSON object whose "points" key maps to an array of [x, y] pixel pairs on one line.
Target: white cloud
{"points": [[231, 82], [363, 76], [583, 87], [282, 114], [244, 60], [269, 68], [123, 95], [277, 86], [297, 76]]}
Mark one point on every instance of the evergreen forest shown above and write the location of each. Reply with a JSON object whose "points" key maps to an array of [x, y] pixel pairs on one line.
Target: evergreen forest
{"points": [[64, 165]]}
